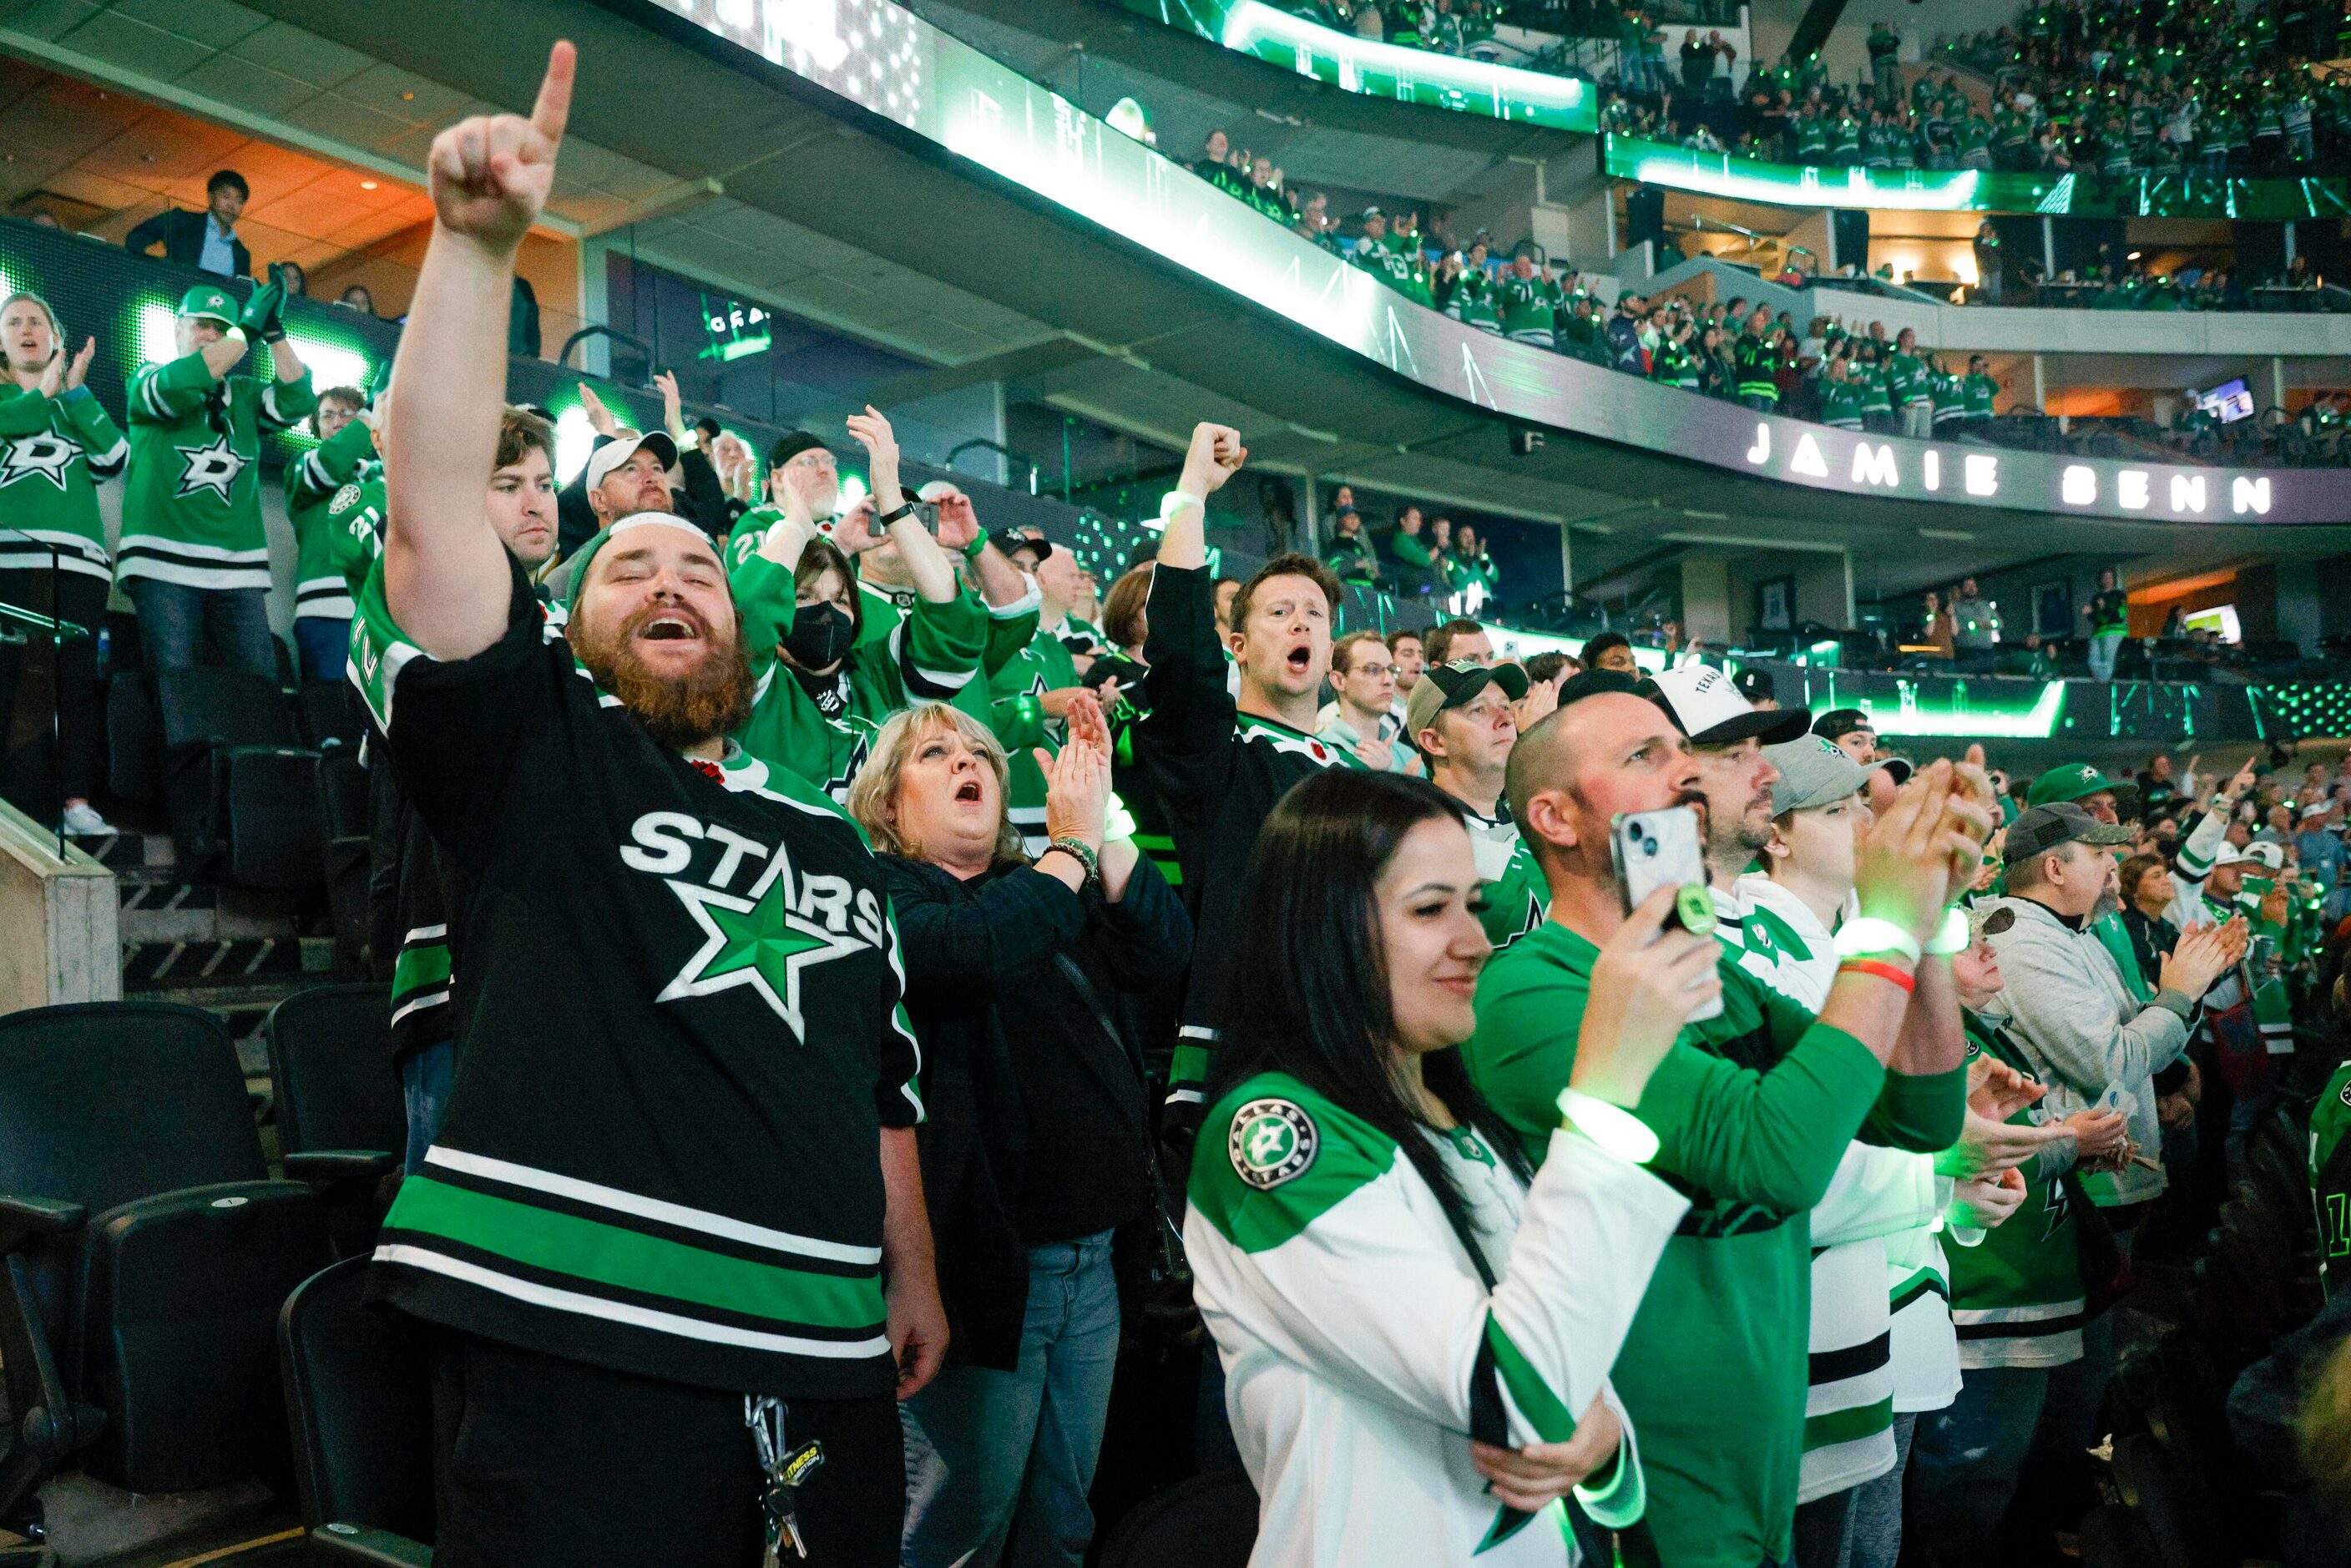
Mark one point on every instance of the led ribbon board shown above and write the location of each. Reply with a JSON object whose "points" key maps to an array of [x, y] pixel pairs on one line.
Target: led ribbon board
{"points": [[1379, 69], [890, 62], [2174, 195]]}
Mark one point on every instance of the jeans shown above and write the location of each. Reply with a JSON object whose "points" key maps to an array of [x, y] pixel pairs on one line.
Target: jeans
{"points": [[1966, 1459], [2103, 646], [175, 620], [1762, 403], [1918, 421], [1875, 1539], [80, 719], [988, 1450], [426, 1077], [323, 645]]}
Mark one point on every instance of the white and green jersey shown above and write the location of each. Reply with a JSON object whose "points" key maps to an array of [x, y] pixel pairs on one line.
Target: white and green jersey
{"points": [[52, 452], [2330, 1174], [1362, 1345], [334, 498], [1878, 1200], [193, 512]]}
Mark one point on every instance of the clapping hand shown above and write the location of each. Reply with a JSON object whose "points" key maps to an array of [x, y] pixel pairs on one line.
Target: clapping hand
{"points": [[80, 366], [600, 418], [1077, 791]]}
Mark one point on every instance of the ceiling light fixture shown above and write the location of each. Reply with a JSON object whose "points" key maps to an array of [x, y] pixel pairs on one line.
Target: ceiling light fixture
{"points": [[367, 184]]}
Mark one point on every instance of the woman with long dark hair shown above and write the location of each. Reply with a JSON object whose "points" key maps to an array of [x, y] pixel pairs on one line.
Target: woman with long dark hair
{"points": [[1415, 1330]]}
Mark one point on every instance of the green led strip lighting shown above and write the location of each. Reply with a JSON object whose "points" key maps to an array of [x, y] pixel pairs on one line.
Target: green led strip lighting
{"points": [[1378, 69], [1957, 714], [1971, 189]]}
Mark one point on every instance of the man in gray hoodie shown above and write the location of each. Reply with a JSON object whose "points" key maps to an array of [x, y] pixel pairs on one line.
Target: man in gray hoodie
{"points": [[2074, 1016]]}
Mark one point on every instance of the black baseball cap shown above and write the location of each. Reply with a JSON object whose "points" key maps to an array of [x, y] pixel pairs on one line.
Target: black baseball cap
{"points": [[1442, 686], [1840, 722], [1755, 684], [2044, 828], [1593, 683], [1011, 539]]}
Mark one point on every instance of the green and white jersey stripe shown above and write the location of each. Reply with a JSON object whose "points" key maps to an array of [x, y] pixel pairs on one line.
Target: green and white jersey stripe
{"points": [[553, 1241]]}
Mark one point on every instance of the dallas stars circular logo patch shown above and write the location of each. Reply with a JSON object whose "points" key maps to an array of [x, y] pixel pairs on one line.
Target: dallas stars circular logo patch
{"points": [[345, 499], [1272, 1142]]}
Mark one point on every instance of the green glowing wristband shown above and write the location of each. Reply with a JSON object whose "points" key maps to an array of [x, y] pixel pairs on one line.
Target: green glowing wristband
{"points": [[1868, 935], [972, 551], [1612, 1127], [1952, 937]]}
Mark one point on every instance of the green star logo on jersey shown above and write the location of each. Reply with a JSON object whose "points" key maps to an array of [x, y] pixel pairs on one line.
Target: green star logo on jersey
{"points": [[45, 454], [213, 467], [761, 941]]}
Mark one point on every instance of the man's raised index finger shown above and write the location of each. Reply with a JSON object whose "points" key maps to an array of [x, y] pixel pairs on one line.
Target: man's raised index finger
{"points": [[553, 108]]}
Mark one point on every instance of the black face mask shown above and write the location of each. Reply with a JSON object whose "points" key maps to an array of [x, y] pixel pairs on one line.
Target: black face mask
{"points": [[821, 635]]}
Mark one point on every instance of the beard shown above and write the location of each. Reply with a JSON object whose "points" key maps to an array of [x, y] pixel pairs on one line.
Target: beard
{"points": [[678, 711], [2109, 903]]}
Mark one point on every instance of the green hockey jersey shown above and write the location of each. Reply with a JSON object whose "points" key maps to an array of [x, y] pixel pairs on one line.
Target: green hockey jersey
{"points": [[823, 729], [1017, 715], [192, 511], [334, 498], [2017, 1297], [52, 452], [2330, 1173]]}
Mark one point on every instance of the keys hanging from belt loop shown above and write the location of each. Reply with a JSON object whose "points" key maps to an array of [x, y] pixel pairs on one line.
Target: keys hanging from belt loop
{"points": [[782, 1470]]}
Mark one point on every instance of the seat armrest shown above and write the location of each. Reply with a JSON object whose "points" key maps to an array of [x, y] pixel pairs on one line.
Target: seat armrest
{"points": [[360, 1543], [323, 1168], [24, 1219]]}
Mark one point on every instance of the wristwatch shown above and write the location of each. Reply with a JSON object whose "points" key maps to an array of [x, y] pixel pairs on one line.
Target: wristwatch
{"points": [[903, 509]]}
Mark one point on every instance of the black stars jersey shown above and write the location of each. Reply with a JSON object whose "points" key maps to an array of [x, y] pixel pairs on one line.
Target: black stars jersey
{"points": [[680, 1008], [51, 451], [192, 511], [1217, 773]]}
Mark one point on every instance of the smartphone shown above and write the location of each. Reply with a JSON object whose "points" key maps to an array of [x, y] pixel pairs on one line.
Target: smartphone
{"points": [[927, 513], [1661, 849]]}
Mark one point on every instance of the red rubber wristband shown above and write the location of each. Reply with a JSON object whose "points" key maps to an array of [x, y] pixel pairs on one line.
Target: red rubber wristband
{"points": [[1892, 973]]}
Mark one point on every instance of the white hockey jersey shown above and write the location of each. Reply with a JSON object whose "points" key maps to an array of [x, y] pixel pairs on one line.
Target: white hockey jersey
{"points": [[1357, 1333]]}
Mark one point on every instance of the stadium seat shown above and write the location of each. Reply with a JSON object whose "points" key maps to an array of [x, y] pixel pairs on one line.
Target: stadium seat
{"points": [[329, 714], [134, 744], [339, 1116], [343, 807], [359, 1400], [147, 1251], [1208, 1521], [243, 796]]}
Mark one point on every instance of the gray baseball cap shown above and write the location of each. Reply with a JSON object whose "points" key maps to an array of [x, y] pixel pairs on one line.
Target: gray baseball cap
{"points": [[1813, 772], [2044, 828]]}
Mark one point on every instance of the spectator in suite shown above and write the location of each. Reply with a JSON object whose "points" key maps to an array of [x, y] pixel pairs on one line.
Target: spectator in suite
{"points": [[1036, 1145], [357, 297], [1350, 553], [206, 239], [53, 556]]}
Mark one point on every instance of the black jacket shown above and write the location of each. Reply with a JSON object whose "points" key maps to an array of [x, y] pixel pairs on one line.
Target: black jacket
{"points": [[181, 235], [997, 1012]]}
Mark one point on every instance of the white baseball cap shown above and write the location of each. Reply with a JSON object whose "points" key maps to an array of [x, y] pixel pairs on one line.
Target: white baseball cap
{"points": [[1710, 709], [619, 450]]}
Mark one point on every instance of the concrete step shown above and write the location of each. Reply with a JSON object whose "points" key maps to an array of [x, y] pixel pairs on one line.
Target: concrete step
{"points": [[223, 963]]}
